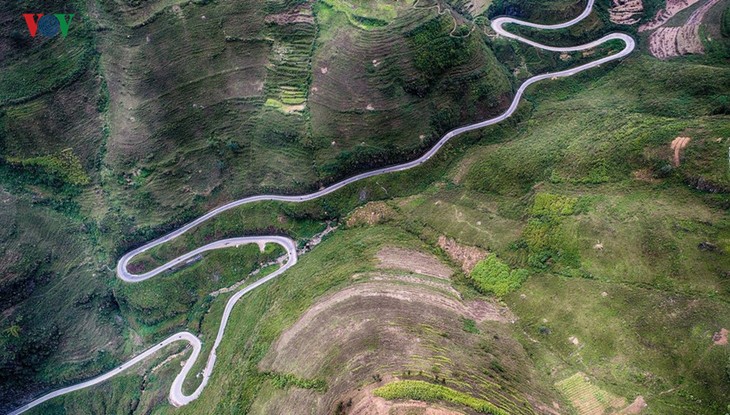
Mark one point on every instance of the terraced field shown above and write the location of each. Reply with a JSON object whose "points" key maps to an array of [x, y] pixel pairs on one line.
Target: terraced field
{"points": [[588, 398]]}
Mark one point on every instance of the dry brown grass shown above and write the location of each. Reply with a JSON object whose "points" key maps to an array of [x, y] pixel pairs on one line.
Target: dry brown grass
{"points": [[413, 261], [635, 407], [370, 214], [467, 256], [671, 8], [300, 14], [645, 175], [380, 328]]}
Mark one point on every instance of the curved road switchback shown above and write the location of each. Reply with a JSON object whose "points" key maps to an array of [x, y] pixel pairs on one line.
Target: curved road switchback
{"points": [[177, 396]]}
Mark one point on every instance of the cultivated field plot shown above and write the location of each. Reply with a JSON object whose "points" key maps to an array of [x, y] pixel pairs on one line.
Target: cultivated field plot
{"points": [[398, 324], [587, 398]]}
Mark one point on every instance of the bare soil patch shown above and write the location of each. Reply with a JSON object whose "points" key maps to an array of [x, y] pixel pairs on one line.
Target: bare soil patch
{"points": [[671, 8], [626, 12], [667, 42], [414, 261], [720, 338], [636, 406], [678, 144], [645, 175], [439, 284], [301, 14], [371, 214], [467, 256]]}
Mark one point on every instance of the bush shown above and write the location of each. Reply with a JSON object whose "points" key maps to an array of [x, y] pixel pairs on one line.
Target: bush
{"points": [[545, 238], [548, 204], [64, 166], [428, 392], [285, 380], [491, 275]]}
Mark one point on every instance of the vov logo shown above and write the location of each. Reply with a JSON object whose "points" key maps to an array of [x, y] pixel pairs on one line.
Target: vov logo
{"points": [[48, 25]]}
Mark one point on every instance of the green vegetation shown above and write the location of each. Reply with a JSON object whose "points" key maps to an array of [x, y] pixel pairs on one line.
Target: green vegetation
{"points": [[180, 297], [33, 67], [365, 14], [64, 166], [436, 53], [470, 326], [587, 397], [424, 391], [493, 276], [283, 381], [545, 239], [261, 317]]}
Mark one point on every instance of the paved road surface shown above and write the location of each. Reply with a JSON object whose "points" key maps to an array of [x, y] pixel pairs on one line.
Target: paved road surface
{"points": [[177, 397]]}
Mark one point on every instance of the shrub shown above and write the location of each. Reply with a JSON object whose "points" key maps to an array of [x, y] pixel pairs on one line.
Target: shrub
{"points": [[285, 380], [544, 236], [424, 391], [491, 275], [548, 204], [64, 166]]}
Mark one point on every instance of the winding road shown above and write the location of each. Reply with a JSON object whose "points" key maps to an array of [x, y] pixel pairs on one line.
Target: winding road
{"points": [[177, 396]]}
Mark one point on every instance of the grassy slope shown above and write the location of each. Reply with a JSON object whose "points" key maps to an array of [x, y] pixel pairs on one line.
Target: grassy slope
{"points": [[261, 317]]}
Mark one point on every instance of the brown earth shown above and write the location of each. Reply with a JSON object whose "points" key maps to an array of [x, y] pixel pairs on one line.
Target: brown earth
{"points": [[442, 285], [302, 14], [385, 327], [635, 407], [371, 214], [414, 261], [626, 12], [678, 144], [671, 8], [645, 175], [667, 42], [467, 256]]}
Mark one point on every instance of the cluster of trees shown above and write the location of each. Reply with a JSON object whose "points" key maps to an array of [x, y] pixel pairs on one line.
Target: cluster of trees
{"points": [[24, 349], [436, 51]]}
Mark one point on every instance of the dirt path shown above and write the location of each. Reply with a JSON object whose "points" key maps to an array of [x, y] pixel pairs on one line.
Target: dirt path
{"points": [[678, 144]]}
